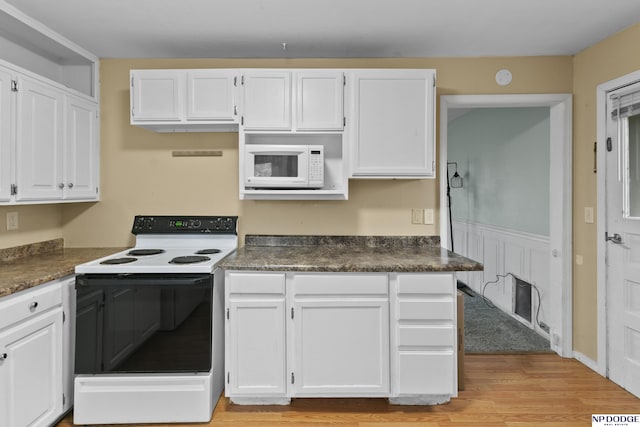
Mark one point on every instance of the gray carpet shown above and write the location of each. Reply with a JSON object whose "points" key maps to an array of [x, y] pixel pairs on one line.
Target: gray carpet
{"points": [[489, 330]]}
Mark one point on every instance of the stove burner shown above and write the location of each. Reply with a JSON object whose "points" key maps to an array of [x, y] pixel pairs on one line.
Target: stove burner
{"points": [[124, 260], [143, 252], [208, 251], [189, 259]]}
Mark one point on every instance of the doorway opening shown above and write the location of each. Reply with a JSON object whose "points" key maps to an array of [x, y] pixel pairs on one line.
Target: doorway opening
{"points": [[507, 252]]}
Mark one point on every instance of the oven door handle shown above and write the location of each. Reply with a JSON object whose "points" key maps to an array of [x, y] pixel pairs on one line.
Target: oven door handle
{"points": [[159, 280]]}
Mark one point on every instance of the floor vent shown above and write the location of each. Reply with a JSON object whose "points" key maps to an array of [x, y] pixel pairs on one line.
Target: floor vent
{"points": [[522, 303]]}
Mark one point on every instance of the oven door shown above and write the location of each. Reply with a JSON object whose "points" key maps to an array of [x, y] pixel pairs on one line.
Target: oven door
{"points": [[143, 323]]}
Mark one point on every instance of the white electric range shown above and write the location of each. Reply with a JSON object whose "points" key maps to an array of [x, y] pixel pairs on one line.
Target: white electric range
{"points": [[149, 344]]}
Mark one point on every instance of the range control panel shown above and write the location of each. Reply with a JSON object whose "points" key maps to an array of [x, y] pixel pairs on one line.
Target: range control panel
{"points": [[143, 224]]}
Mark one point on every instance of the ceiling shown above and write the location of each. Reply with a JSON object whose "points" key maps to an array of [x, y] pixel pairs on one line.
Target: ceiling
{"points": [[332, 28]]}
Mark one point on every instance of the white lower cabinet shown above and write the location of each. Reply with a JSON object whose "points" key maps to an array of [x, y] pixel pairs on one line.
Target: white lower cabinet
{"points": [[340, 325], [424, 338], [255, 336], [340, 335], [31, 353]]}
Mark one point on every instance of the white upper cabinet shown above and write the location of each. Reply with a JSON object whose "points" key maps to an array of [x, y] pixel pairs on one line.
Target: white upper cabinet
{"points": [[211, 95], [314, 102], [157, 95], [81, 156], [5, 135], [49, 147], [266, 100], [319, 100], [393, 123], [48, 153], [199, 100], [39, 141]]}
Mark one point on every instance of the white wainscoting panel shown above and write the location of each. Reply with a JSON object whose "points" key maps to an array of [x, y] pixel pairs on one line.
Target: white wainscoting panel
{"points": [[505, 251]]}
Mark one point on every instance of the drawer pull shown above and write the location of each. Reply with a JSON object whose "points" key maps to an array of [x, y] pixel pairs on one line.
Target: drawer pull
{"points": [[33, 305], [3, 356]]}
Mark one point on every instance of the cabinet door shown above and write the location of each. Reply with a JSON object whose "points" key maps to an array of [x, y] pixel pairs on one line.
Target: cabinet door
{"points": [[319, 100], [157, 95], [266, 100], [39, 141], [30, 371], [5, 135], [210, 95], [81, 158], [257, 357], [393, 123], [341, 348]]}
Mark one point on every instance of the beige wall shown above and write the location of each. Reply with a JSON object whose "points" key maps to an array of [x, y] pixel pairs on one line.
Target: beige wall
{"points": [[610, 59], [36, 224]]}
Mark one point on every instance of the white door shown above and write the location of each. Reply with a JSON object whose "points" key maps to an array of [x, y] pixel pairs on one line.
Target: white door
{"points": [[39, 141], [81, 149], [623, 242], [5, 135], [30, 371]]}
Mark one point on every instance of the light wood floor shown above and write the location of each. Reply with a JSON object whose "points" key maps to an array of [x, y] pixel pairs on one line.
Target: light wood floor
{"points": [[500, 390]]}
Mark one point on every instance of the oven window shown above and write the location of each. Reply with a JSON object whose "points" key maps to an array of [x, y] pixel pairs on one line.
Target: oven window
{"points": [[280, 165], [140, 324]]}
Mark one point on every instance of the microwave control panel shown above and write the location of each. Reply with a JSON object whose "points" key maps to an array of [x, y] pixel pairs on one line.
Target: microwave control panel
{"points": [[316, 166]]}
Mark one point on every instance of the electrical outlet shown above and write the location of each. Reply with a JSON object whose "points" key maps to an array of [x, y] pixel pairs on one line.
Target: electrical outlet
{"points": [[12, 221], [417, 216], [428, 216]]}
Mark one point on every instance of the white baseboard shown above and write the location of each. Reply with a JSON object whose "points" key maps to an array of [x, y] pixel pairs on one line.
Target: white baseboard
{"points": [[588, 362]]}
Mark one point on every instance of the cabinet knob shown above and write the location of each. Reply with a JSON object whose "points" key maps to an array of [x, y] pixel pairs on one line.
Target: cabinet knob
{"points": [[33, 305], [70, 185], [61, 185], [3, 356]]}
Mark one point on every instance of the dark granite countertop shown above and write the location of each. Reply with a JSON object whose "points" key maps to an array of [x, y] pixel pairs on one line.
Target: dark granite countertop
{"points": [[346, 254], [27, 266]]}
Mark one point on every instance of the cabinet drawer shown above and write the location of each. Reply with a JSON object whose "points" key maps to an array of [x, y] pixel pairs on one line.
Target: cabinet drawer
{"points": [[360, 284], [426, 336], [255, 283], [432, 283], [425, 373], [25, 304], [425, 310]]}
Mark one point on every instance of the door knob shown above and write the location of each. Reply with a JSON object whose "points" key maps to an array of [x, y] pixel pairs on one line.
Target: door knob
{"points": [[616, 238], [61, 185], [70, 185]]}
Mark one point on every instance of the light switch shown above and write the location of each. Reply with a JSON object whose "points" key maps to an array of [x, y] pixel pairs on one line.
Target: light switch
{"points": [[428, 216], [588, 215], [417, 216]]}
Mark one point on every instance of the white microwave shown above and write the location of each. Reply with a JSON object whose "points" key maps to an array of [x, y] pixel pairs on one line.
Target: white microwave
{"points": [[283, 166]]}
